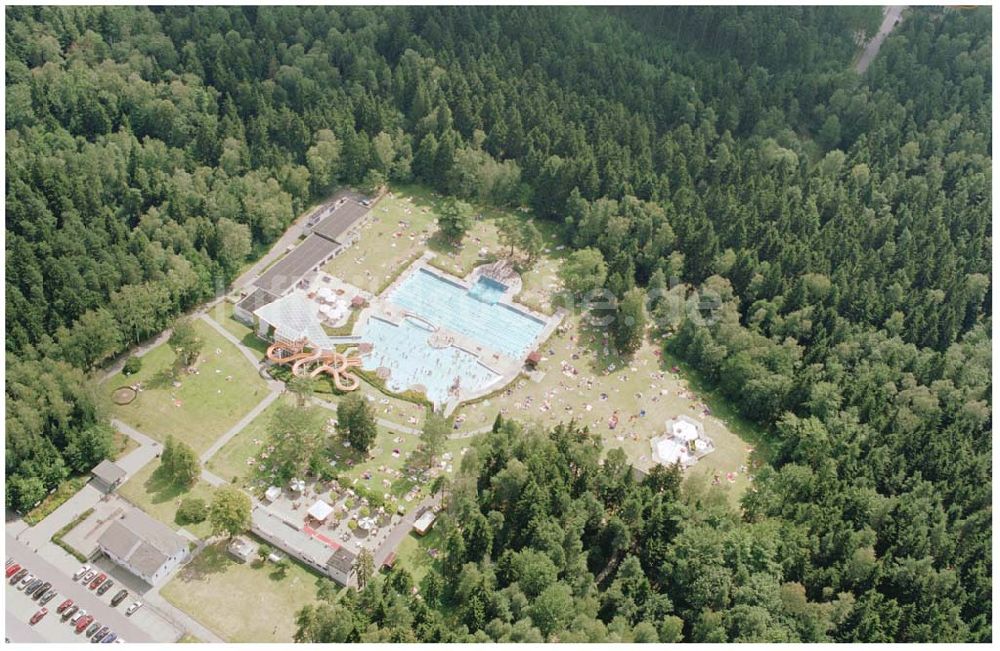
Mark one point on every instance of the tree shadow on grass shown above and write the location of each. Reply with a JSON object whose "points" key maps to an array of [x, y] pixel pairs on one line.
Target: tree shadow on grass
{"points": [[161, 379], [212, 560], [161, 488]]}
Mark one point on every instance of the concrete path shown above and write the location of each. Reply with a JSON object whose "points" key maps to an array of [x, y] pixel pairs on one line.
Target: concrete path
{"points": [[238, 427], [138, 351], [41, 533], [401, 530], [388, 424], [889, 23]]}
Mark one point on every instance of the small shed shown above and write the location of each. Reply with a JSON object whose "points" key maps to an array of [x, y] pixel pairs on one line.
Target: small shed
{"points": [[272, 493], [424, 522], [389, 561], [108, 475], [533, 358], [242, 549], [320, 511], [358, 301]]}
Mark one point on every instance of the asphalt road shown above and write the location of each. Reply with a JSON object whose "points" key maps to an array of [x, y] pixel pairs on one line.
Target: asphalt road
{"points": [[871, 50], [51, 628]]}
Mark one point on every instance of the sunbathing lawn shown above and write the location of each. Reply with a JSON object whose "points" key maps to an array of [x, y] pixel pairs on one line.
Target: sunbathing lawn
{"points": [[628, 390], [208, 403], [389, 454], [222, 314], [161, 499], [242, 602], [413, 554]]}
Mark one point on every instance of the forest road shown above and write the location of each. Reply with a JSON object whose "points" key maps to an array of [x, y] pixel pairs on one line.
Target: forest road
{"points": [[889, 23]]}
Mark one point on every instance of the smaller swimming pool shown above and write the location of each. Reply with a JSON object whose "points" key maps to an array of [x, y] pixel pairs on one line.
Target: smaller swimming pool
{"points": [[487, 290]]}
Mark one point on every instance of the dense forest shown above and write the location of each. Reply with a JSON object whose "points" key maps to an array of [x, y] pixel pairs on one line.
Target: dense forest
{"points": [[840, 225]]}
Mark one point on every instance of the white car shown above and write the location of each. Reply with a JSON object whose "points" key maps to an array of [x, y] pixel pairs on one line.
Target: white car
{"points": [[25, 581], [80, 572], [134, 607], [90, 574], [80, 614]]}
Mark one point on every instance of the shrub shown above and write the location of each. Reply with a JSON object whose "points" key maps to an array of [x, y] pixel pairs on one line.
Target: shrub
{"points": [[192, 511], [352, 524], [132, 365]]}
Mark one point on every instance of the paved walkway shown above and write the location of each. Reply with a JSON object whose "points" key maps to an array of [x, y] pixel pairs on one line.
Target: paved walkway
{"points": [[388, 424], [401, 530], [138, 351], [238, 427], [871, 49]]}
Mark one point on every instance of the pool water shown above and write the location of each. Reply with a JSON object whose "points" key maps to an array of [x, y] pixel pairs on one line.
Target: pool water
{"points": [[474, 313], [404, 349], [487, 290]]}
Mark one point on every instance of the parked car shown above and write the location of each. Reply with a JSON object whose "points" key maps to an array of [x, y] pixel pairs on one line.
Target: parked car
{"points": [[49, 596], [100, 634], [20, 574], [70, 611], [38, 616], [25, 582], [10, 561], [107, 585], [64, 605], [41, 590], [119, 597], [98, 580], [134, 607], [93, 628], [87, 576], [80, 572], [110, 637], [13, 569], [80, 614], [33, 585], [84, 623]]}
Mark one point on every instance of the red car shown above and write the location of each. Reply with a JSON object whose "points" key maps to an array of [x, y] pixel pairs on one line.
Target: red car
{"points": [[13, 569], [98, 580], [38, 616], [84, 623], [64, 605]]}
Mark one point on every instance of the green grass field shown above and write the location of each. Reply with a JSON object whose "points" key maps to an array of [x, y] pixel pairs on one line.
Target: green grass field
{"points": [[242, 602], [222, 314], [642, 383], [160, 499], [413, 553], [206, 404]]}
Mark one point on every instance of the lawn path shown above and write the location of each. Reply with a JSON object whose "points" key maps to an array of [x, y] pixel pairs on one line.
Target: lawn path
{"points": [[238, 427], [388, 424], [251, 356]]}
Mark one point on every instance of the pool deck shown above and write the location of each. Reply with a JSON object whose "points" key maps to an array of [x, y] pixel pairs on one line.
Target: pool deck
{"points": [[508, 368]]}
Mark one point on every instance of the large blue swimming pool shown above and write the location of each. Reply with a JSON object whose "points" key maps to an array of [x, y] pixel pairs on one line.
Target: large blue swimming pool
{"points": [[404, 350], [473, 313]]}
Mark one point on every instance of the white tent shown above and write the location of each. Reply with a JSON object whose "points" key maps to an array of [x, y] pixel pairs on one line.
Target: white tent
{"points": [[684, 430], [670, 451], [272, 493], [320, 510]]}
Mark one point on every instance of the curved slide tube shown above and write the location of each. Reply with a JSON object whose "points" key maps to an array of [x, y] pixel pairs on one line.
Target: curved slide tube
{"points": [[332, 363]]}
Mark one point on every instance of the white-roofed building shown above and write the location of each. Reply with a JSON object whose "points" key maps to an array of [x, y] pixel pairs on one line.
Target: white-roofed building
{"points": [[292, 318], [320, 511]]}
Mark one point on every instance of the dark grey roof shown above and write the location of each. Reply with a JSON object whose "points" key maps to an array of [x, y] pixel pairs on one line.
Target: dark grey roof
{"points": [[334, 222], [299, 261], [342, 560], [142, 541], [108, 472], [258, 298]]}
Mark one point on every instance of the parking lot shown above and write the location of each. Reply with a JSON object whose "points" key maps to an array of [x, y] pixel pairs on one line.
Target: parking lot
{"points": [[144, 626]]}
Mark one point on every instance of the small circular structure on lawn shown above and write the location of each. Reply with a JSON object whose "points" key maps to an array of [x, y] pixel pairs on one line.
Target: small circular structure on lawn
{"points": [[124, 395]]}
